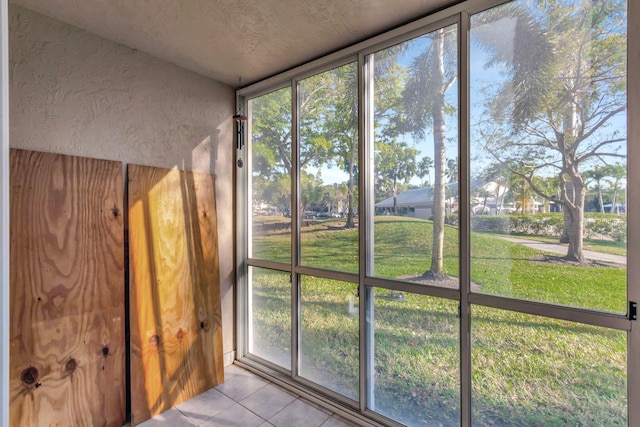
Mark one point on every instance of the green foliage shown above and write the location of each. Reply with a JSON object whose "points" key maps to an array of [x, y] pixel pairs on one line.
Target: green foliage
{"points": [[394, 163], [607, 225], [545, 224], [596, 225]]}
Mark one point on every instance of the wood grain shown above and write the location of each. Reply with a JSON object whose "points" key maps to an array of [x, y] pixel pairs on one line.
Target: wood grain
{"points": [[176, 332], [67, 347]]}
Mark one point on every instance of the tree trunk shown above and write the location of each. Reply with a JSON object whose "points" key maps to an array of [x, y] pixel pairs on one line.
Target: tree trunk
{"points": [[567, 195], [614, 201], [350, 222], [575, 209], [569, 192], [395, 195], [600, 198], [439, 135]]}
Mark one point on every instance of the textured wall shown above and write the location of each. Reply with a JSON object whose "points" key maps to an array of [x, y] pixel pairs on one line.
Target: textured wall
{"points": [[72, 92]]}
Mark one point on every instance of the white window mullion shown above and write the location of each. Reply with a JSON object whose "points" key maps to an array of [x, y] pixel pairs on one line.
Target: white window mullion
{"points": [[633, 205]]}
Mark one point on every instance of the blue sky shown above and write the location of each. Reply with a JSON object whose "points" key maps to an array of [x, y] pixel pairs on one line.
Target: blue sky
{"points": [[481, 76]]}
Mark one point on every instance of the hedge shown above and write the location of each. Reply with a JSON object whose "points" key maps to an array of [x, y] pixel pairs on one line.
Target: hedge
{"points": [[596, 225]]}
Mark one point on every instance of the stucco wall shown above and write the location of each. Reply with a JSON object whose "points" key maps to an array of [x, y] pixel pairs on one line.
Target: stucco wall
{"points": [[72, 92]]}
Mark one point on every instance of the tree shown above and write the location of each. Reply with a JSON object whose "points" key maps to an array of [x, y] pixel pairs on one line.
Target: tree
{"points": [[311, 190], [342, 129], [431, 75], [484, 194], [452, 171], [499, 174], [424, 170], [278, 192], [616, 173], [394, 163], [328, 128], [557, 107], [597, 174], [271, 128]]}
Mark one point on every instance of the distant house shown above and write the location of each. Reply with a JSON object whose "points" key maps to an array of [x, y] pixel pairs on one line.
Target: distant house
{"points": [[487, 199], [418, 203]]}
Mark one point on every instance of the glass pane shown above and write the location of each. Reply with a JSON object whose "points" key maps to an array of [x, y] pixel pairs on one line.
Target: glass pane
{"points": [[328, 104], [329, 334], [415, 170], [416, 359], [270, 189], [532, 371], [548, 152], [270, 316]]}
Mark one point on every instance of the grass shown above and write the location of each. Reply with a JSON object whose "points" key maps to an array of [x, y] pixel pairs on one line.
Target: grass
{"points": [[527, 370]]}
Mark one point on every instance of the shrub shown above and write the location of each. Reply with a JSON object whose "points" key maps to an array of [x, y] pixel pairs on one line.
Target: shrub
{"points": [[596, 225]]}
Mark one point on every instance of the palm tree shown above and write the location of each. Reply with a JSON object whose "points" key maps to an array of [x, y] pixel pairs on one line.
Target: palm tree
{"points": [[597, 174], [617, 172], [424, 170], [431, 76]]}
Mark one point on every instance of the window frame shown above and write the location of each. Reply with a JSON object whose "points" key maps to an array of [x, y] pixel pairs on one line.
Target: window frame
{"points": [[460, 15]]}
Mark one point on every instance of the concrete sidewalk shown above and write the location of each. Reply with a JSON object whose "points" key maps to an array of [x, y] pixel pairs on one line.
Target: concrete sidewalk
{"points": [[562, 250]]}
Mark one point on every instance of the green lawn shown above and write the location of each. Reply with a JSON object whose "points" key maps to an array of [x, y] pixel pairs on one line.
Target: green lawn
{"points": [[527, 370]]}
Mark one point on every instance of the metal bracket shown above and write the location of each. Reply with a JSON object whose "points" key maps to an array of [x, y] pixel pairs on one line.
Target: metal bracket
{"points": [[633, 310]]}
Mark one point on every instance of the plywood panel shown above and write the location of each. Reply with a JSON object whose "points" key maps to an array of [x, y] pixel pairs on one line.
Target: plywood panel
{"points": [[67, 291], [176, 333]]}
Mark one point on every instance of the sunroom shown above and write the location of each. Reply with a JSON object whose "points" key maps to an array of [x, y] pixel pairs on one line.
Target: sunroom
{"points": [[465, 266]]}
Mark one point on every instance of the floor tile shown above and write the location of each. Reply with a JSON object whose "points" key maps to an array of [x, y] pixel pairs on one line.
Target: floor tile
{"points": [[299, 413], [336, 421], [268, 401], [247, 400], [233, 370], [315, 405], [169, 418], [205, 405], [241, 386], [236, 416]]}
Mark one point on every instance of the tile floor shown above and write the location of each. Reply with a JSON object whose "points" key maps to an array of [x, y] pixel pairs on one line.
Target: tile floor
{"points": [[246, 400]]}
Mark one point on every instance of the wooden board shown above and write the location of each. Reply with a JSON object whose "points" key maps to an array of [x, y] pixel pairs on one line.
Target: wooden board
{"points": [[176, 332], [67, 347]]}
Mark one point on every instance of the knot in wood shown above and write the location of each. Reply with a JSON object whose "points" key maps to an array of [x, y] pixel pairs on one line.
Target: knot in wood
{"points": [[154, 340], [29, 375], [71, 365]]}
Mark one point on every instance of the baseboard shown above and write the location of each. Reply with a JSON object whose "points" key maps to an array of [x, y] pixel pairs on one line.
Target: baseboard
{"points": [[229, 358]]}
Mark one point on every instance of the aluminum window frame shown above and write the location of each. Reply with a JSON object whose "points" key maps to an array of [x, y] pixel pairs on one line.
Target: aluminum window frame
{"points": [[459, 14]]}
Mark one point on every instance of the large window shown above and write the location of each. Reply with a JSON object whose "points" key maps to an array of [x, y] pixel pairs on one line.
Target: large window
{"points": [[438, 220]]}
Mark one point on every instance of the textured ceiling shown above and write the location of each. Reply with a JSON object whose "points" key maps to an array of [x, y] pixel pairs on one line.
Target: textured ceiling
{"points": [[236, 42]]}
